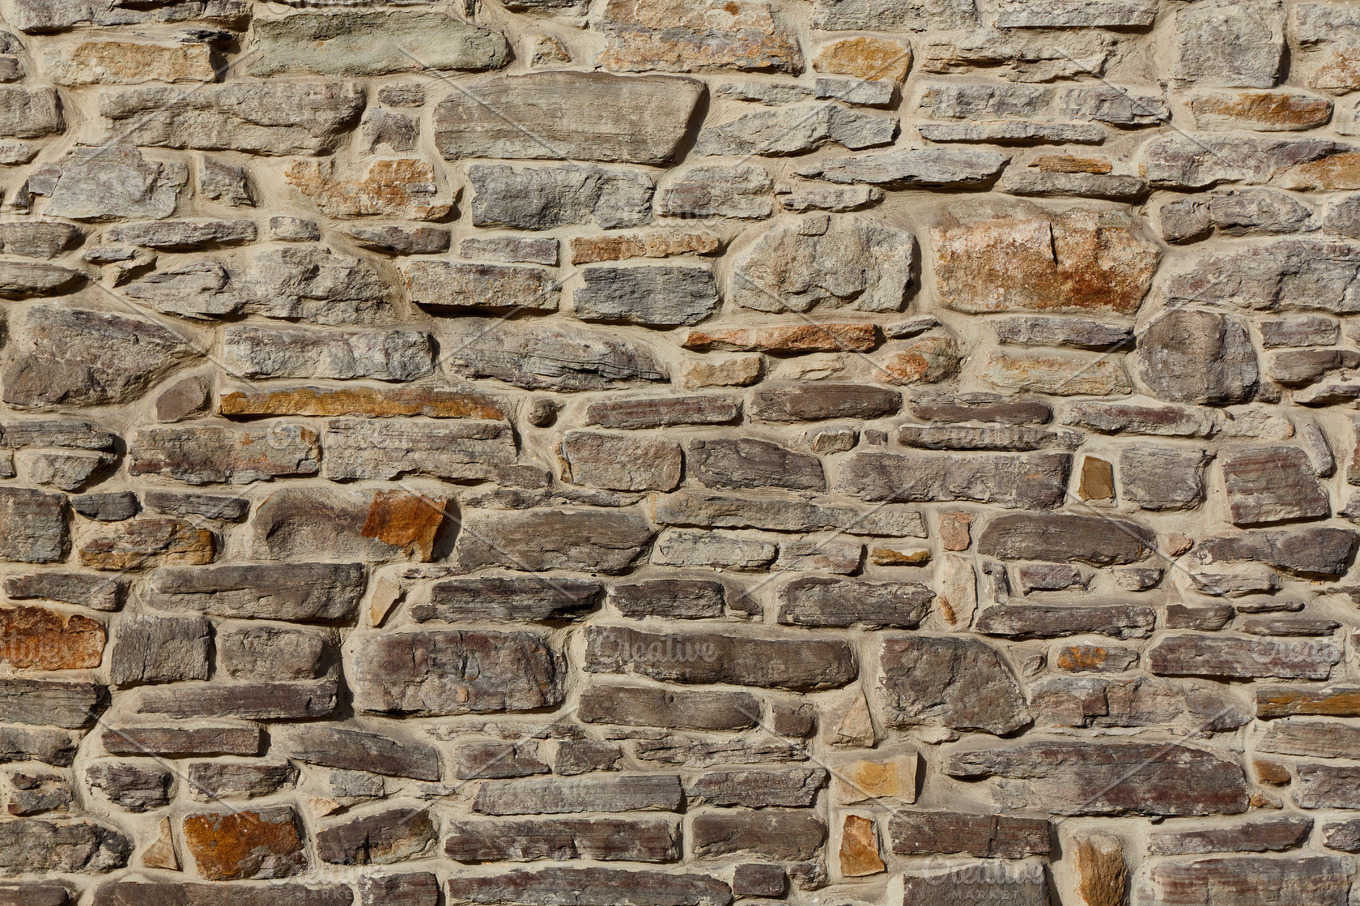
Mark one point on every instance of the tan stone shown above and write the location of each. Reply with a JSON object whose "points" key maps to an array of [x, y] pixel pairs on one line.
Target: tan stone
{"points": [[392, 188], [789, 338], [1067, 163], [245, 844], [695, 35], [35, 638], [1337, 69], [891, 778], [1271, 772], [1102, 875], [957, 598], [616, 247], [1073, 262], [865, 58], [412, 522], [730, 371], [1058, 375], [1263, 111], [891, 556], [387, 594], [856, 728], [139, 543], [956, 531], [926, 361], [1097, 479], [859, 848], [130, 63], [365, 402], [161, 851]]}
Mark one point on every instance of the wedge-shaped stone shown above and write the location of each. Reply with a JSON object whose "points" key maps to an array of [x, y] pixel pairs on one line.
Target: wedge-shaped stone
{"points": [[639, 120], [456, 672], [817, 601], [355, 750], [922, 833], [778, 662], [218, 454], [524, 840], [558, 886], [1063, 537], [679, 36], [656, 706], [1248, 881], [372, 43], [1015, 481], [1243, 658], [304, 592], [457, 450], [549, 358], [1078, 777], [564, 795], [582, 540], [447, 284], [1073, 262], [957, 683]]}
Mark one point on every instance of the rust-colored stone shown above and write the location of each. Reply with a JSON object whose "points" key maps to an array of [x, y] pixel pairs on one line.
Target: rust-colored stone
{"points": [[129, 63], [1287, 701], [35, 638], [1076, 262], [394, 188], [1271, 772], [956, 531], [926, 361], [1336, 70], [1074, 658], [1102, 875], [245, 844], [361, 402], [788, 339], [409, 521], [618, 246], [859, 848], [1097, 479], [1337, 171], [696, 35], [138, 543], [1067, 163], [894, 556], [865, 58], [1265, 111]]}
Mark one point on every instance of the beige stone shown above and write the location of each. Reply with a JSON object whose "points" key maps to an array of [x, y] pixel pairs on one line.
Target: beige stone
{"points": [[131, 63], [865, 57]]}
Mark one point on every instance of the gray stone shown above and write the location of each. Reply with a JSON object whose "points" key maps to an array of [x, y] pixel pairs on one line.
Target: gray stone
{"points": [[182, 893], [1317, 552], [583, 540], [214, 781], [1047, 621], [760, 788], [1243, 658], [819, 262], [621, 462], [553, 886], [445, 284], [1017, 133], [802, 198], [1237, 213], [276, 118], [24, 279], [246, 701], [30, 114], [377, 838], [641, 119], [817, 601], [373, 43], [199, 289], [456, 672], [183, 235], [661, 296], [229, 509], [1063, 537], [540, 198], [1076, 13], [917, 15], [359, 751], [273, 652], [521, 840], [796, 130], [39, 845], [137, 787], [1014, 481], [1230, 44], [654, 706], [151, 649], [218, 454], [396, 240], [225, 183], [1198, 160], [743, 191], [957, 683], [508, 599], [315, 285], [1125, 418], [455, 449], [94, 592], [385, 355], [1248, 881], [751, 463], [782, 834], [109, 184], [1190, 356], [917, 168], [294, 591], [54, 747], [549, 358], [1018, 883], [794, 401], [1289, 274], [928, 833], [1077, 333], [32, 526], [111, 507], [39, 239], [1163, 478], [663, 412], [557, 795]]}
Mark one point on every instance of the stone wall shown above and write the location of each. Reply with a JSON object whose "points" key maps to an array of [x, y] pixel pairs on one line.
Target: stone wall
{"points": [[663, 452]]}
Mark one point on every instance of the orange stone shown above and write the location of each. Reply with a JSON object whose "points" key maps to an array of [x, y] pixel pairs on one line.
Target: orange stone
{"points": [[360, 402], [1081, 657], [40, 639], [246, 844], [865, 58], [138, 543], [892, 556], [589, 249], [955, 531], [1097, 479], [1338, 171], [409, 521], [1271, 772], [859, 848], [1066, 163], [1336, 70], [1281, 701], [788, 339], [894, 778], [1102, 874], [927, 361], [1074, 262], [1264, 111], [395, 188]]}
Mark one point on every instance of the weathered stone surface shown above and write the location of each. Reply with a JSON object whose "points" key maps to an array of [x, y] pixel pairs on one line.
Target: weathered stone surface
{"points": [[294, 591], [149, 649], [378, 838], [246, 845], [508, 599], [673, 36], [457, 450], [652, 296], [796, 130], [41, 845], [373, 43], [865, 58], [361, 751], [1198, 160], [1262, 111], [907, 169], [616, 247], [1076, 14], [448, 672], [181, 893], [35, 638], [1013, 481], [1044, 621], [1075, 262], [1163, 478], [76, 357], [297, 524], [783, 834], [282, 117], [1058, 375], [137, 787], [1231, 44], [549, 358], [365, 402], [224, 739], [391, 355], [215, 781], [273, 653], [553, 886], [246, 701], [918, 833], [790, 339], [1188, 356], [131, 63], [1239, 657], [778, 662], [628, 839], [650, 706], [641, 120], [587, 540], [218, 454], [1272, 484], [951, 682], [620, 462], [1319, 552], [23, 279], [1064, 537], [752, 463], [742, 191], [445, 284], [820, 262], [1021, 883], [148, 541], [847, 602], [554, 795], [1289, 274], [1085, 778], [793, 401], [540, 198], [918, 15], [1249, 881], [78, 185], [1263, 835]]}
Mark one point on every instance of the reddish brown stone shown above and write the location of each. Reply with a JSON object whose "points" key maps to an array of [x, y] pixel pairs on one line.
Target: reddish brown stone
{"points": [[792, 338], [152, 541], [985, 836], [859, 848], [1330, 701], [618, 246], [956, 531], [412, 522], [394, 188], [360, 402], [246, 844], [40, 639], [927, 361]]}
